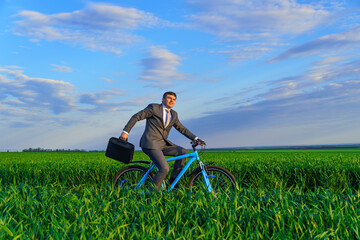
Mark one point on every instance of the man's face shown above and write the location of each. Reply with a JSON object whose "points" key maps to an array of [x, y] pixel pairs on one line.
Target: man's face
{"points": [[169, 101]]}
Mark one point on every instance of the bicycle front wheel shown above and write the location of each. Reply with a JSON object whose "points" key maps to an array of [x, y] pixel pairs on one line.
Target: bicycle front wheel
{"points": [[221, 180], [129, 178]]}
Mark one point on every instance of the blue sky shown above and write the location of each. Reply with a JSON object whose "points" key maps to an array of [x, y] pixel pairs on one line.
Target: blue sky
{"points": [[247, 73]]}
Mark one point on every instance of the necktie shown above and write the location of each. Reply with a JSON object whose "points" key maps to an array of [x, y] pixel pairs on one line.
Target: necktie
{"points": [[168, 116]]}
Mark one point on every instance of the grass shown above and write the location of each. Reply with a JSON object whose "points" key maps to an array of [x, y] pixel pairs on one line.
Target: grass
{"points": [[282, 195]]}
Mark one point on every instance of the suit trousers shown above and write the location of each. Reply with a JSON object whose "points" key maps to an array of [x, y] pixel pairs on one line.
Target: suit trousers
{"points": [[158, 157]]}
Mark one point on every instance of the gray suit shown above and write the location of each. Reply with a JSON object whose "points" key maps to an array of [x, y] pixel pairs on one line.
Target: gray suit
{"points": [[154, 140]]}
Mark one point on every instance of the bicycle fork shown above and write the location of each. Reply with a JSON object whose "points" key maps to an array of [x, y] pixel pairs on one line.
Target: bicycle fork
{"points": [[143, 179], [205, 176]]}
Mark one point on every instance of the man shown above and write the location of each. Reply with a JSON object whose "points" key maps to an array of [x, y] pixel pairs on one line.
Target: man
{"points": [[160, 118]]}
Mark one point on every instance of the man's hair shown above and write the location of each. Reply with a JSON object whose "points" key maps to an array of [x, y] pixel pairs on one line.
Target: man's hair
{"points": [[169, 93]]}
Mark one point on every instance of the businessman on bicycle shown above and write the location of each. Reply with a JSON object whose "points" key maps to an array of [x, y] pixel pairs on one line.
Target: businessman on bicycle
{"points": [[160, 118]]}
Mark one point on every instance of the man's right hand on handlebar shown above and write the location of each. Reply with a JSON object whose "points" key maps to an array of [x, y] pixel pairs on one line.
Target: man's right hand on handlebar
{"points": [[201, 141], [198, 141]]}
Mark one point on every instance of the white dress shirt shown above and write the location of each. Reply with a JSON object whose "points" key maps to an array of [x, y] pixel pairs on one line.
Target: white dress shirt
{"points": [[164, 115]]}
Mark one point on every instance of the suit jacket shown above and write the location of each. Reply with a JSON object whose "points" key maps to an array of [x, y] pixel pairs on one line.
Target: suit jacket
{"points": [[155, 134]]}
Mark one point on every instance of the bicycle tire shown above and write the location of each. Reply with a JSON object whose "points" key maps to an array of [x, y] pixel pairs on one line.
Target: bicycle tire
{"points": [[221, 180], [130, 176]]}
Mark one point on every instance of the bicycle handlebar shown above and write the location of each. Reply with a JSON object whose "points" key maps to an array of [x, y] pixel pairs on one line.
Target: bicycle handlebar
{"points": [[196, 143]]}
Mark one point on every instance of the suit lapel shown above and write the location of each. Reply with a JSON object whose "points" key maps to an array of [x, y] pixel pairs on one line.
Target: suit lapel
{"points": [[172, 116]]}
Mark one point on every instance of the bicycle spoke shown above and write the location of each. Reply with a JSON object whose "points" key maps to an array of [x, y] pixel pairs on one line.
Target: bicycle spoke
{"points": [[220, 179], [130, 177]]}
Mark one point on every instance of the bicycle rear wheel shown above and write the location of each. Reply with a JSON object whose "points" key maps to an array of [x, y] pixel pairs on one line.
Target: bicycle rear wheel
{"points": [[129, 177], [221, 180]]}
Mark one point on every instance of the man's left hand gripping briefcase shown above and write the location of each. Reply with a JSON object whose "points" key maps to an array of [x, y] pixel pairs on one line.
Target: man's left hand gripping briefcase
{"points": [[120, 150]]}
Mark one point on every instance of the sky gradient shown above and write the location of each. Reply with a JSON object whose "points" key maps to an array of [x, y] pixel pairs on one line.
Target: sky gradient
{"points": [[247, 73]]}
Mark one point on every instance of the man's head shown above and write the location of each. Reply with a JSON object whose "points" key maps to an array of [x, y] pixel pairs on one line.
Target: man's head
{"points": [[169, 99]]}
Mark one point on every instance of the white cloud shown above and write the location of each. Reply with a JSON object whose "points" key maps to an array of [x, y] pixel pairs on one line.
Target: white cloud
{"points": [[35, 94], [237, 20], [242, 52], [253, 29], [333, 43], [103, 16], [25, 100], [108, 80], [61, 68], [160, 67], [100, 27], [99, 101], [326, 72]]}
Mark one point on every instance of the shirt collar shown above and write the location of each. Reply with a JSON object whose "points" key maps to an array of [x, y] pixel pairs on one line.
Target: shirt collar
{"points": [[164, 107]]}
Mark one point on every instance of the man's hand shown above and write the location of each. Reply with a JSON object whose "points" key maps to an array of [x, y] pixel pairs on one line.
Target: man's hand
{"points": [[201, 141], [124, 136]]}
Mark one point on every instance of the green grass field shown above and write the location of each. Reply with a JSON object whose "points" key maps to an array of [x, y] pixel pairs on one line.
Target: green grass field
{"points": [[284, 194]]}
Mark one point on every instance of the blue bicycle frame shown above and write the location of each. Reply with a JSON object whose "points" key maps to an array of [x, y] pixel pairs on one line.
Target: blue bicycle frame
{"points": [[193, 157]]}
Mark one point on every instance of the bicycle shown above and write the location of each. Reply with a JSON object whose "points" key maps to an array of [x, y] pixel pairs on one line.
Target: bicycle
{"points": [[205, 177]]}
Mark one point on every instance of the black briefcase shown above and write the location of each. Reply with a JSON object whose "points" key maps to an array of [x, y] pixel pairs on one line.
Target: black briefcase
{"points": [[120, 150]]}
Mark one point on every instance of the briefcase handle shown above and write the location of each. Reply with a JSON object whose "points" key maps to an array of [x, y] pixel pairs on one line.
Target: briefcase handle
{"points": [[122, 140]]}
